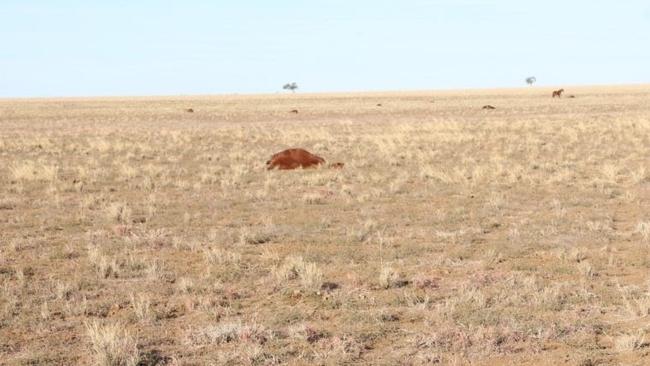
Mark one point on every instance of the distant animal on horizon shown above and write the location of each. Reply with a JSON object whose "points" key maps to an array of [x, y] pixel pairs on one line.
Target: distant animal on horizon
{"points": [[557, 93], [297, 158], [189, 110], [571, 96], [489, 107], [378, 104], [294, 111]]}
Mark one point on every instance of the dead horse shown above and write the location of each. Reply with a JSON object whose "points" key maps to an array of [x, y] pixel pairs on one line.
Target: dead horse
{"points": [[296, 158]]}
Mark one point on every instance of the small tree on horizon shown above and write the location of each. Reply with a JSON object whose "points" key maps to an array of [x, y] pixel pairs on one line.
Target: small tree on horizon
{"points": [[290, 86], [531, 80]]}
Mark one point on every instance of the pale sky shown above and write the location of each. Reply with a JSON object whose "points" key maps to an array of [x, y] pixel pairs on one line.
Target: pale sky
{"points": [[140, 47]]}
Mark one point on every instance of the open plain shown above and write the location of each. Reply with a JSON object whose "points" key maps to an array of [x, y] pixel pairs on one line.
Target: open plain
{"points": [[135, 232]]}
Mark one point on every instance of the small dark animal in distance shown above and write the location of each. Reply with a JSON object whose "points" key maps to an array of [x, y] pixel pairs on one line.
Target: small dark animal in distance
{"points": [[571, 96], [378, 104], [189, 110], [295, 111], [489, 107], [297, 158]]}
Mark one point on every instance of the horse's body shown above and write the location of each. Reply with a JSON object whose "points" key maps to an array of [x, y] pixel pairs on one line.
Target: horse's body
{"points": [[296, 158]]}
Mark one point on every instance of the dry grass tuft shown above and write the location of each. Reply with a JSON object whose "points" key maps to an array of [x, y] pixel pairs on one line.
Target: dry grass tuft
{"points": [[308, 274], [111, 345]]}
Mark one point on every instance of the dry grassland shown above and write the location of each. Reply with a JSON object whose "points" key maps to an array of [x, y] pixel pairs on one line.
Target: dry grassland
{"points": [[134, 232]]}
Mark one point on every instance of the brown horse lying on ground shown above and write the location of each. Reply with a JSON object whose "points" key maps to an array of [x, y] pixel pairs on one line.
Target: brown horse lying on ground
{"points": [[489, 107], [557, 93], [297, 158]]}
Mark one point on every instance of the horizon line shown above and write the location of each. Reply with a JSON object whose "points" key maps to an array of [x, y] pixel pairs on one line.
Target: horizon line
{"points": [[320, 93]]}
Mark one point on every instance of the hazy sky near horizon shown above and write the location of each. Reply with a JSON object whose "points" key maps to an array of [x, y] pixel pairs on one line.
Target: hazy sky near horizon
{"points": [[146, 47]]}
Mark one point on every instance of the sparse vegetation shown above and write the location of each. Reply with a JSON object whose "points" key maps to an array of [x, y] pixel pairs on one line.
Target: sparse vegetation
{"points": [[134, 232]]}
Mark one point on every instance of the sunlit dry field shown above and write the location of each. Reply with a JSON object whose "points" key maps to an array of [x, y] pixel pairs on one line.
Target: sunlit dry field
{"points": [[134, 232]]}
